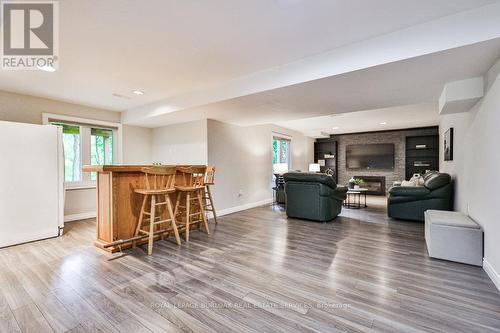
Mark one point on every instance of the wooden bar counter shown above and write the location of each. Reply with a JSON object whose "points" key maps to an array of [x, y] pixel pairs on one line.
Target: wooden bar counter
{"points": [[118, 207]]}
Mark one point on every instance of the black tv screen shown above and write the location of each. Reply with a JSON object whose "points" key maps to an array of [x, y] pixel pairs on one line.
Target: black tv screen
{"points": [[370, 156]]}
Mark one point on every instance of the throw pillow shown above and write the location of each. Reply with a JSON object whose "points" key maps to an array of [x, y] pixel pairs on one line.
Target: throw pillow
{"points": [[417, 179]]}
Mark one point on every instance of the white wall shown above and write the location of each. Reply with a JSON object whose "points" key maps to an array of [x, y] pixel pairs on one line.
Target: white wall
{"points": [[184, 143], [456, 168], [137, 145], [476, 164], [302, 148], [242, 157], [29, 109]]}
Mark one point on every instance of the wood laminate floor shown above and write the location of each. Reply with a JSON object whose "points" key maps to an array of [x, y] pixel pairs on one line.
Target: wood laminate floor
{"points": [[257, 272]]}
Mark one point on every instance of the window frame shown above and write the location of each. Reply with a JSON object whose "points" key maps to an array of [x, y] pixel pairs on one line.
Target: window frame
{"points": [[85, 143], [107, 159], [284, 137]]}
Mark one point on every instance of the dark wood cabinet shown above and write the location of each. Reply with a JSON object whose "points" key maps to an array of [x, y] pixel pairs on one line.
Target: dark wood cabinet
{"points": [[422, 154], [326, 150]]}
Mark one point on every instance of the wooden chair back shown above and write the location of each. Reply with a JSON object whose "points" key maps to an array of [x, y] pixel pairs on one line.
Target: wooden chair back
{"points": [[210, 177], [191, 176], [160, 178]]}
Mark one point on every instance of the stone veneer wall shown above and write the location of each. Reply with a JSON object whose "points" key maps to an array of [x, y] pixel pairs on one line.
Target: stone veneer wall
{"points": [[397, 137]]}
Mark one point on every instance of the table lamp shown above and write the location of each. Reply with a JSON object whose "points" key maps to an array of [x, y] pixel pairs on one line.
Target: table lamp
{"points": [[314, 167], [280, 168]]}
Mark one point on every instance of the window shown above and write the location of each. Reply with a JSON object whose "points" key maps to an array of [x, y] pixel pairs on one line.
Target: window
{"points": [[84, 144], [101, 148], [281, 151], [72, 155]]}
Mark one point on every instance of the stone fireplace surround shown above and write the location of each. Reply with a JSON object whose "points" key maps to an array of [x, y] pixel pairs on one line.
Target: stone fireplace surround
{"points": [[398, 137]]}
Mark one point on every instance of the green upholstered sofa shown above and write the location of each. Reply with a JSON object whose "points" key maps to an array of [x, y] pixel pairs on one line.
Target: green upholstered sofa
{"points": [[313, 196], [410, 202]]}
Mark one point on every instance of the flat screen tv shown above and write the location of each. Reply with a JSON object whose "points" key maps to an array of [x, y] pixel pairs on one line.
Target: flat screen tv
{"points": [[370, 156]]}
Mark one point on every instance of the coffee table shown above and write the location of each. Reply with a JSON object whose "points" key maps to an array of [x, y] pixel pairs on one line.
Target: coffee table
{"points": [[350, 201]]}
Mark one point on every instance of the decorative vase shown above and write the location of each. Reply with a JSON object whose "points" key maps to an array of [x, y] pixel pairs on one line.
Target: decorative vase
{"points": [[351, 183], [356, 187]]}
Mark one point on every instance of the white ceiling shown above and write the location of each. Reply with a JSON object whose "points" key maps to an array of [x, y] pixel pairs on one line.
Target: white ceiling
{"points": [[413, 81], [168, 47], [187, 55], [408, 116]]}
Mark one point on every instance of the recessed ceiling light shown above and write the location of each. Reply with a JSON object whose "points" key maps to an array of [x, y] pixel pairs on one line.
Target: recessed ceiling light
{"points": [[383, 123], [121, 96], [138, 92], [336, 127], [46, 68]]}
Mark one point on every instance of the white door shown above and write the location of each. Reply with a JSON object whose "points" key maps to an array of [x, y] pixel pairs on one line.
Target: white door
{"points": [[31, 205]]}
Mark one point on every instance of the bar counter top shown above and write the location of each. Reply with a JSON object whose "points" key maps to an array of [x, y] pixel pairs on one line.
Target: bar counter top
{"points": [[121, 167], [118, 206]]}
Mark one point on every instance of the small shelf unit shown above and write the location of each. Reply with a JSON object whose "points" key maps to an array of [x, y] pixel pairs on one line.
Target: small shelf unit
{"points": [[422, 154], [326, 150]]}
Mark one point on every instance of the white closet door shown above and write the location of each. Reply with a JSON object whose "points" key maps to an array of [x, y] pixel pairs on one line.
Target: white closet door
{"points": [[30, 183]]}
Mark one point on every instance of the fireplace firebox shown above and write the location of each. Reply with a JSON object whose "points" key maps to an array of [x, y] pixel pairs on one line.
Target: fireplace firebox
{"points": [[374, 184]]}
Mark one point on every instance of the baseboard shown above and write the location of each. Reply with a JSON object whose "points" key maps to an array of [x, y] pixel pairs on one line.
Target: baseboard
{"points": [[244, 207], [80, 216], [91, 215], [494, 276]]}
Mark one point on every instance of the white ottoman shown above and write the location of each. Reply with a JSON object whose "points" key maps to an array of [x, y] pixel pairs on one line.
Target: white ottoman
{"points": [[453, 236]]}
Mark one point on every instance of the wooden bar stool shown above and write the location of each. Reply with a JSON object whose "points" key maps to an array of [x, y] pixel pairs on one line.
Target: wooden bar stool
{"points": [[190, 186], [160, 183], [208, 201]]}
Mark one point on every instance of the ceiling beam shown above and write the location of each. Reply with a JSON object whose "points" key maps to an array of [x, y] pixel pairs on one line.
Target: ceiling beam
{"points": [[460, 96], [445, 33]]}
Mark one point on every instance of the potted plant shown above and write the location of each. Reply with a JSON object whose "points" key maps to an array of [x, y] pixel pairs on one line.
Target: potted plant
{"points": [[357, 182]]}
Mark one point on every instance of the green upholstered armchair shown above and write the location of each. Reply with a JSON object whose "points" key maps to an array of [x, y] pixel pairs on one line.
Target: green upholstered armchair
{"points": [[313, 196], [410, 202]]}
